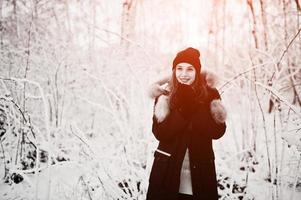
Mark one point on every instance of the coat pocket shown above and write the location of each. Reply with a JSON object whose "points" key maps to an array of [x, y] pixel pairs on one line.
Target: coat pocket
{"points": [[159, 169]]}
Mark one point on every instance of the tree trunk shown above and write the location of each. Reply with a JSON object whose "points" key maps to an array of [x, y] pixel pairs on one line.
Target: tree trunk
{"points": [[297, 98], [264, 22], [254, 31], [128, 22], [15, 23], [298, 5], [1, 25]]}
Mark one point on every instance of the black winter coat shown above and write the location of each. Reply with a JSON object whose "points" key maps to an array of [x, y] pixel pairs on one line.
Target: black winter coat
{"points": [[175, 135]]}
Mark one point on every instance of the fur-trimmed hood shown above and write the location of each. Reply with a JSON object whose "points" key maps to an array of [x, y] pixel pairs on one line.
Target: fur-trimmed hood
{"points": [[160, 89]]}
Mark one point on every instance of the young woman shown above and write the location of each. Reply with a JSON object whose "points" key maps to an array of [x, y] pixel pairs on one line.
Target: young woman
{"points": [[188, 115]]}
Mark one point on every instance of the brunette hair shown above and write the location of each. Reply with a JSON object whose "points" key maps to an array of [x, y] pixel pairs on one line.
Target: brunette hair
{"points": [[199, 86]]}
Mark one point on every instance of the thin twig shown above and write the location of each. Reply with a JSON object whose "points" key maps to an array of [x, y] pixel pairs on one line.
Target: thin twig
{"points": [[286, 49], [87, 187], [47, 127], [276, 94], [4, 160], [128, 40], [244, 72], [23, 116]]}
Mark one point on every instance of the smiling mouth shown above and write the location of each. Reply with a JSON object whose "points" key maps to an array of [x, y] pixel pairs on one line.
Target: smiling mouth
{"points": [[184, 80]]}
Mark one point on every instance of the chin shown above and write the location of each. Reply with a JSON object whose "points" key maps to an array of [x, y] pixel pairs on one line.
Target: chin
{"points": [[188, 83]]}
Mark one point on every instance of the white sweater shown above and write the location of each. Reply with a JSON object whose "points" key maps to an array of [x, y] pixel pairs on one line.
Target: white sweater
{"points": [[185, 179]]}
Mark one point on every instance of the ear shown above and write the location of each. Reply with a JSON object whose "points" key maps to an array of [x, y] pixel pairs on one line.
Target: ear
{"points": [[218, 111]]}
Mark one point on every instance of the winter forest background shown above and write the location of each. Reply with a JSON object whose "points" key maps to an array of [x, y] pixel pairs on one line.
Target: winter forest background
{"points": [[75, 115]]}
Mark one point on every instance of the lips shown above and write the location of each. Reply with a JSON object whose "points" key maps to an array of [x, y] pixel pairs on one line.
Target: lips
{"points": [[184, 80]]}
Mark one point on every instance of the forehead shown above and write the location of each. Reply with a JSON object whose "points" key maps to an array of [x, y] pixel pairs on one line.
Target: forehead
{"points": [[183, 64]]}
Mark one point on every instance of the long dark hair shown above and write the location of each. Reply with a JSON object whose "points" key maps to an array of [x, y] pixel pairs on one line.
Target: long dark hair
{"points": [[199, 86]]}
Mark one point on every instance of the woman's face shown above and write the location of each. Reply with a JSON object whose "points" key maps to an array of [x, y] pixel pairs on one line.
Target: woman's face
{"points": [[185, 73]]}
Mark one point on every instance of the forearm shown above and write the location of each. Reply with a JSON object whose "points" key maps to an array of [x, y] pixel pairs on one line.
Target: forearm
{"points": [[217, 118], [173, 124]]}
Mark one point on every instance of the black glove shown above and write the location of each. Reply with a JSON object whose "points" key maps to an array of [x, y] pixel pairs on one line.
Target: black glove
{"points": [[186, 102]]}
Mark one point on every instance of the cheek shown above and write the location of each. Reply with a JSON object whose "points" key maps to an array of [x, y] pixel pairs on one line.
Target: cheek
{"points": [[178, 74], [192, 75]]}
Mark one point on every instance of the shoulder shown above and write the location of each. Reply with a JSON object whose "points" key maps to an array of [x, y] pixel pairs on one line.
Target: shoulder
{"points": [[213, 94]]}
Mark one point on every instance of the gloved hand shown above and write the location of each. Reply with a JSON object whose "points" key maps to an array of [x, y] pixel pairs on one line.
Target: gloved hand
{"points": [[186, 102]]}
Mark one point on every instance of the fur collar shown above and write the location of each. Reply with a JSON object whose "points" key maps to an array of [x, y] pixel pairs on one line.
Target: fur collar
{"points": [[159, 88]]}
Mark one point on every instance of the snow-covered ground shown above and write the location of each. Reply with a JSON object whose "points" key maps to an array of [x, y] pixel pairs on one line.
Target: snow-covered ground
{"points": [[74, 78]]}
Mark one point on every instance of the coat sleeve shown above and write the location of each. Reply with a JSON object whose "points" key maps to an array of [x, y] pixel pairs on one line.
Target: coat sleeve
{"points": [[172, 125], [216, 118]]}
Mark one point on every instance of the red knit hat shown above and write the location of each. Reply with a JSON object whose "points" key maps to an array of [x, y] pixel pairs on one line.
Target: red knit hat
{"points": [[189, 55]]}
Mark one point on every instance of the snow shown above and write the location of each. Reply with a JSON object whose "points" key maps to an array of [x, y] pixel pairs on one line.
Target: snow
{"points": [[75, 116]]}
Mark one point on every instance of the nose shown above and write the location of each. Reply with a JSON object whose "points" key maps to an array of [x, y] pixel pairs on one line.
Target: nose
{"points": [[184, 73]]}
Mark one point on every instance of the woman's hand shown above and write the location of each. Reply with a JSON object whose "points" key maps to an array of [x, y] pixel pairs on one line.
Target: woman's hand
{"points": [[186, 100]]}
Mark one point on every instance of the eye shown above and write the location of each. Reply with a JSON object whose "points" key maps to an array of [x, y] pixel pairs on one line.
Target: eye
{"points": [[179, 68]]}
